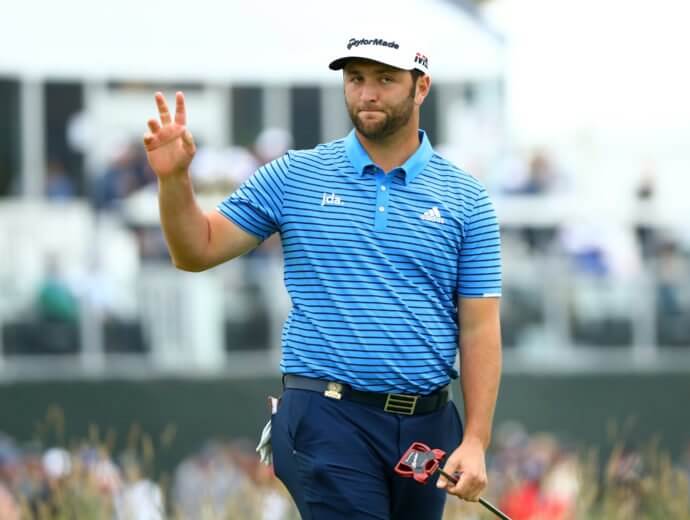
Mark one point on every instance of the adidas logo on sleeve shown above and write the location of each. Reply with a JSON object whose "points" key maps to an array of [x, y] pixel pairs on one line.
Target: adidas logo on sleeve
{"points": [[433, 215]]}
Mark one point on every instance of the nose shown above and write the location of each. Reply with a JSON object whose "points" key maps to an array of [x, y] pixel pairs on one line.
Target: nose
{"points": [[369, 92]]}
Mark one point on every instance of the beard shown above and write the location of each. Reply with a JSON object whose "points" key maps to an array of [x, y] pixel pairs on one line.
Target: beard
{"points": [[394, 119]]}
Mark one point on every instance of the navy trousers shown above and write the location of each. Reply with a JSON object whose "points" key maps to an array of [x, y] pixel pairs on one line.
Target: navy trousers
{"points": [[337, 458]]}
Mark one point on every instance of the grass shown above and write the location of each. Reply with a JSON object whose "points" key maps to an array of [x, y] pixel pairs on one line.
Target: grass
{"points": [[639, 483]]}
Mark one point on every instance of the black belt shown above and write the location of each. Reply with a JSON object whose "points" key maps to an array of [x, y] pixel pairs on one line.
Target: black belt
{"points": [[393, 403]]}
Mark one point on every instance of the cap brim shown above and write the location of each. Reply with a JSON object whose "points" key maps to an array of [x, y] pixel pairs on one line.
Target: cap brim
{"points": [[340, 63]]}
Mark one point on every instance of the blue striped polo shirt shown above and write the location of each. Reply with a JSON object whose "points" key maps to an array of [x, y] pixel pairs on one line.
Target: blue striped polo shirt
{"points": [[374, 262]]}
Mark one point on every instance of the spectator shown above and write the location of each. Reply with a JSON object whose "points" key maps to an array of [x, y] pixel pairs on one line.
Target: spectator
{"points": [[126, 173], [207, 481], [58, 184], [538, 494], [645, 195], [9, 477], [672, 271], [262, 497], [139, 498], [55, 299], [538, 176], [9, 509], [221, 171], [271, 143]]}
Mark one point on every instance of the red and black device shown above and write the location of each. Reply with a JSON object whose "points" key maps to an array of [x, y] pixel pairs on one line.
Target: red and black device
{"points": [[420, 462]]}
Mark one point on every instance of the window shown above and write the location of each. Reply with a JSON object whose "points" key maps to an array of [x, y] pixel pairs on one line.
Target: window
{"points": [[10, 135], [428, 116], [305, 104], [247, 114], [62, 101]]}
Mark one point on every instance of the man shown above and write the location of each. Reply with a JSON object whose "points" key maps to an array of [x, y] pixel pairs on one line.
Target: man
{"points": [[391, 262]]}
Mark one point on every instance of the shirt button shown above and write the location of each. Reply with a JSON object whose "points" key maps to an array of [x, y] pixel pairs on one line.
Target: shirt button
{"points": [[382, 209], [383, 188]]}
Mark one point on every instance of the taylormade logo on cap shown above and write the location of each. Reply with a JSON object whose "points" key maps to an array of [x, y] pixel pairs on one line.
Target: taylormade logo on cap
{"points": [[378, 41], [393, 52]]}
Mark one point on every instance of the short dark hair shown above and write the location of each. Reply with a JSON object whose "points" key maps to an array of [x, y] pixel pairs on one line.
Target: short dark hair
{"points": [[416, 74]]}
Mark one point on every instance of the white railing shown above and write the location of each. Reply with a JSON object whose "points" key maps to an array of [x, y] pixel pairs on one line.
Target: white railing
{"points": [[183, 315]]}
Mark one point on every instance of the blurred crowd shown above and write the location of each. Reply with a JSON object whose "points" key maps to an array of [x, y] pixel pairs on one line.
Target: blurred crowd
{"points": [[594, 245], [223, 480], [532, 477], [216, 171], [602, 263], [48, 316]]}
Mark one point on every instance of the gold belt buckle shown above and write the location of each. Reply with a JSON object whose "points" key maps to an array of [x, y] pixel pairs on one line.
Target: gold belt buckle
{"points": [[334, 391], [400, 403]]}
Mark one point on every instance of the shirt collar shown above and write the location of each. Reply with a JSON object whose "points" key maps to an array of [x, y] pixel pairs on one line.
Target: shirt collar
{"points": [[360, 159]]}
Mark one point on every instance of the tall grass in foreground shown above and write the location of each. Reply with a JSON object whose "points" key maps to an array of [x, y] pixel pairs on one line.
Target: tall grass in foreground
{"points": [[631, 483]]}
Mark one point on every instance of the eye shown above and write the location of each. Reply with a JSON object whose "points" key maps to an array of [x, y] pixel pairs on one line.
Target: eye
{"points": [[386, 80]]}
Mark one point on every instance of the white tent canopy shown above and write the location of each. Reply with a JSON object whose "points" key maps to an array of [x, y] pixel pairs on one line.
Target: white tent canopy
{"points": [[231, 40]]}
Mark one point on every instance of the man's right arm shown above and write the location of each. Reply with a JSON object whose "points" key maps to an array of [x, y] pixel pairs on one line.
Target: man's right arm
{"points": [[196, 240]]}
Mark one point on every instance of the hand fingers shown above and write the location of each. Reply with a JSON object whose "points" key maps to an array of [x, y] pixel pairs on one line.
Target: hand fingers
{"points": [[451, 468], [188, 142], [180, 110], [461, 489], [153, 125], [468, 488], [149, 139], [443, 482], [163, 109], [187, 137]]}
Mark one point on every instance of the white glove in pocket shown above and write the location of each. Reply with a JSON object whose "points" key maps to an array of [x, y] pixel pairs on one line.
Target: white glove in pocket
{"points": [[264, 447]]}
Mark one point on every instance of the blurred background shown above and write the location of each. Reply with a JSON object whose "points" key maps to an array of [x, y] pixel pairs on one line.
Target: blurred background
{"points": [[150, 384]]}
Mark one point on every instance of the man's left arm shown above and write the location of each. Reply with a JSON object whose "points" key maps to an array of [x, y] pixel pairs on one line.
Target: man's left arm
{"points": [[480, 368]]}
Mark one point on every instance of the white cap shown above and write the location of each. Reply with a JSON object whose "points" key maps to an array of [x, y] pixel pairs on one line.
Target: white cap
{"points": [[396, 53]]}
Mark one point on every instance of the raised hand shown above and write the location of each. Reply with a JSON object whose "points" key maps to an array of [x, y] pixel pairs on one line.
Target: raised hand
{"points": [[169, 144]]}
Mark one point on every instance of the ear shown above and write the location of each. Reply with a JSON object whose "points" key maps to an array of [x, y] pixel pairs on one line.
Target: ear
{"points": [[423, 86]]}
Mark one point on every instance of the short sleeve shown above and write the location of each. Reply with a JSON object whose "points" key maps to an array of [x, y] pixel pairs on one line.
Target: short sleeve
{"points": [[257, 205], [479, 260]]}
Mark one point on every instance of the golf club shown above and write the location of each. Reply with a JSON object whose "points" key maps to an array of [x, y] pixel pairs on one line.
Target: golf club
{"points": [[421, 462]]}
